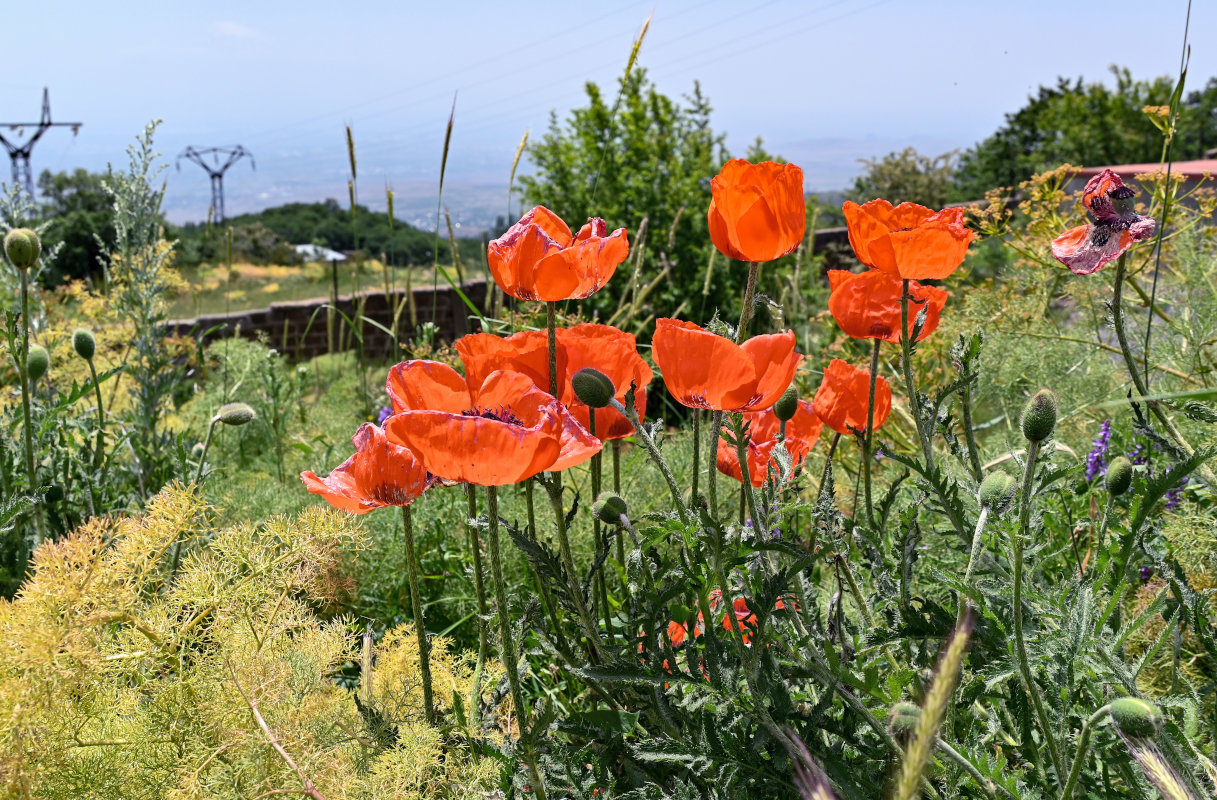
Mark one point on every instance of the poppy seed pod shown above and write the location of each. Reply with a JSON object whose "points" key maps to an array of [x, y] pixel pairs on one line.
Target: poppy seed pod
{"points": [[1039, 416], [609, 508], [235, 414], [22, 247], [904, 717], [593, 387], [997, 490], [1135, 717], [1119, 476], [786, 406], [84, 344], [37, 362]]}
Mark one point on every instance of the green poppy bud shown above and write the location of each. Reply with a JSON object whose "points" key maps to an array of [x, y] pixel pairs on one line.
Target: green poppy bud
{"points": [[22, 247], [997, 490], [1135, 717], [1119, 476], [1039, 416], [196, 452], [609, 507], [593, 387], [235, 414], [37, 362], [904, 718], [787, 405], [84, 344]]}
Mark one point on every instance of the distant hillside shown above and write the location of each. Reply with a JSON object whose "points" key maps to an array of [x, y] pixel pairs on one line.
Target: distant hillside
{"points": [[266, 236]]}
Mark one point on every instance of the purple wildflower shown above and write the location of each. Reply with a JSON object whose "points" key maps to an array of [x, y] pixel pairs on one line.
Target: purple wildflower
{"points": [[1138, 456], [384, 414], [1095, 463], [1146, 574], [1174, 495]]}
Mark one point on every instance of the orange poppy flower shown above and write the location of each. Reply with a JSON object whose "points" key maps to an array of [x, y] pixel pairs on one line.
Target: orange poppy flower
{"points": [[867, 304], [1114, 226], [539, 259], [705, 370], [605, 348], [802, 431], [843, 394], [502, 432], [744, 616], [380, 474], [908, 241], [757, 211]]}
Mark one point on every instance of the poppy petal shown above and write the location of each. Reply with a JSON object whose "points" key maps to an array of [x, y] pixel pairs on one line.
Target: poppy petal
{"points": [[701, 369], [426, 385], [775, 361], [841, 401], [379, 474]]}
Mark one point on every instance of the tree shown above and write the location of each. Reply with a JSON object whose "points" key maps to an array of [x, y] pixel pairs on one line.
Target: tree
{"points": [[906, 176], [82, 217], [652, 160]]}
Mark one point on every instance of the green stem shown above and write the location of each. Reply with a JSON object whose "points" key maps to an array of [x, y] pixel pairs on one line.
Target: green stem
{"points": [[617, 489], [479, 585], [198, 474], [863, 606], [969, 435], [1020, 646], [23, 361], [551, 329], [1079, 757], [977, 538], [597, 531], [741, 331], [101, 420], [868, 442], [906, 363], [648, 444], [420, 625], [716, 432], [696, 452], [746, 489], [553, 488]]}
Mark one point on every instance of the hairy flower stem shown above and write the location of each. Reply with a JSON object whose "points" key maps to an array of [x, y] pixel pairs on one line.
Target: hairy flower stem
{"points": [[198, 473], [716, 426], [553, 488], [551, 330], [420, 625], [648, 444], [1021, 534], [977, 538], [1117, 316], [1079, 757], [906, 364], [969, 434], [864, 607], [745, 316], [747, 492], [479, 585], [27, 415], [868, 442], [506, 642], [98, 454], [617, 489], [696, 453], [598, 535]]}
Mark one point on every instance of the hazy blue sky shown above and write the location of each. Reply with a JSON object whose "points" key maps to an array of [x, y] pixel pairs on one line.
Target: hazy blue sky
{"points": [[825, 82]]}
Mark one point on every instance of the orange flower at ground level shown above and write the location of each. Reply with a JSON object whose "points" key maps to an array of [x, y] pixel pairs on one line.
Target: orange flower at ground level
{"points": [[501, 432], [1114, 228], [843, 396], [605, 348], [539, 259], [705, 370], [867, 304], [802, 431], [380, 474], [908, 241], [757, 211]]}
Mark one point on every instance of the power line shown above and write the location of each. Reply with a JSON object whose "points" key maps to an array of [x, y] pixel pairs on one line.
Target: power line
{"points": [[215, 170], [19, 153]]}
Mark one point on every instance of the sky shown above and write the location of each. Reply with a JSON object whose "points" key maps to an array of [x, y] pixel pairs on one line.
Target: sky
{"points": [[824, 82]]}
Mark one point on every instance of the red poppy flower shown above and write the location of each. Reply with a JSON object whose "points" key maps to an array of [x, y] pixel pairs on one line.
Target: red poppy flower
{"points": [[502, 432], [757, 211], [908, 241], [802, 431], [867, 304], [843, 395], [605, 348], [380, 474], [1114, 226], [705, 370], [539, 259], [744, 616]]}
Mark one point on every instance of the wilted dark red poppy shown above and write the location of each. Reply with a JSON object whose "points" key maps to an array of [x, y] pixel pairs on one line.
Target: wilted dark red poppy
{"points": [[502, 432], [757, 211], [867, 304], [908, 241], [1114, 226], [380, 474], [802, 431], [704, 370], [843, 396], [607, 349], [539, 259]]}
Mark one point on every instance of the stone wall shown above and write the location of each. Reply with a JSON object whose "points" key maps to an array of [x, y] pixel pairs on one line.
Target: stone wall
{"points": [[300, 329]]}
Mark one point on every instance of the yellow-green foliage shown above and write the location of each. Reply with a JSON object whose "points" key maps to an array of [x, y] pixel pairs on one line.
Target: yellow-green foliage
{"points": [[120, 678]]}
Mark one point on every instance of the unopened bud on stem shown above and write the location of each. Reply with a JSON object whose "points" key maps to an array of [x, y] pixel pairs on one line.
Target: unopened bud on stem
{"points": [[1119, 476], [235, 414], [593, 387], [1039, 416], [37, 362], [997, 490], [84, 344], [22, 246], [609, 507], [787, 405], [1135, 717]]}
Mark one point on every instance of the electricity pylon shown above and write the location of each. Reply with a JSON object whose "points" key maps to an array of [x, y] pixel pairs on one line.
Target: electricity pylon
{"points": [[216, 170], [19, 153]]}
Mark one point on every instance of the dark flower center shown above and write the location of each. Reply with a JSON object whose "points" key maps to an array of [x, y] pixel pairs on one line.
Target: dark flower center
{"points": [[501, 414]]}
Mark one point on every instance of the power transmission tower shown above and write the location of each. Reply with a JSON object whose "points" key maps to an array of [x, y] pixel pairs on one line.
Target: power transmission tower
{"points": [[19, 153], [215, 169]]}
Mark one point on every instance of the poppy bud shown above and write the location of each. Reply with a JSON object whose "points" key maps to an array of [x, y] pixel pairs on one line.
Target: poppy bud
{"points": [[904, 717], [1039, 416], [22, 247], [84, 344], [37, 362], [997, 490], [197, 451], [1119, 476], [786, 406], [235, 414], [1135, 717], [593, 387], [609, 507]]}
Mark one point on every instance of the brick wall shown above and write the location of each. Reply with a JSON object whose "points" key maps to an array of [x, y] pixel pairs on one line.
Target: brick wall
{"points": [[300, 330]]}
